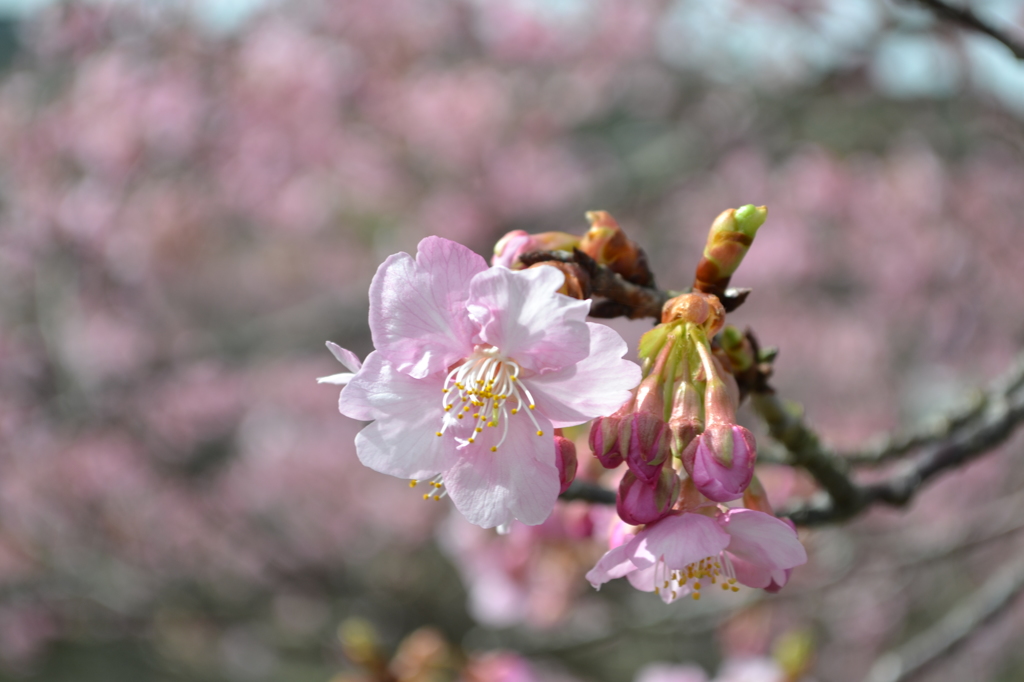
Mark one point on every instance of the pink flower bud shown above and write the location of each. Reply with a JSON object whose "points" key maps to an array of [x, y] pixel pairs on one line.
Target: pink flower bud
{"points": [[604, 440], [685, 422], [565, 460], [517, 242], [721, 461], [648, 446], [639, 503]]}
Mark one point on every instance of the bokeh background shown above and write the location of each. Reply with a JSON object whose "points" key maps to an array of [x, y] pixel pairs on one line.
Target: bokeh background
{"points": [[194, 197]]}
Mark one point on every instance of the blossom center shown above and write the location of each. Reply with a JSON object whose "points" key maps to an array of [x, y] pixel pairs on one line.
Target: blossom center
{"points": [[486, 388], [671, 584]]}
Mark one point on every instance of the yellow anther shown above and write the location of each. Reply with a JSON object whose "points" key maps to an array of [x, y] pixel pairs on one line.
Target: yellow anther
{"points": [[471, 440], [696, 586], [459, 416], [533, 407], [665, 585], [540, 433], [696, 596], [735, 589], [514, 410], [478, 429], [412, 483], [438, 433], [494, 448], [426, 496], [725, 587], [657, 590], [437, 498], [447, 408], [492, 424]]}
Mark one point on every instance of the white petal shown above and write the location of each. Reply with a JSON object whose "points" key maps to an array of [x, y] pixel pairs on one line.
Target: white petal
{"points": [[522, 314], [379, 391], [596, 386], [345, 356], [337, 379], [407, 449], [418, 315], [519, 480]]}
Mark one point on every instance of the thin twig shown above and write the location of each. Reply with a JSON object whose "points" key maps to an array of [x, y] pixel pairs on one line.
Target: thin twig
{"points": [[957, 625], [966, 18], [1003, 413], [899, 445]]}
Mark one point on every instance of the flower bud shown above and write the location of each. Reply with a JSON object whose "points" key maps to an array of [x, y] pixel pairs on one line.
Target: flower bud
{"points": [[721, 461], [604, 436], [577, 281], [730, 237], [517, 242], [646, 443], [738, 349], [639, 503], [685, 422], [565, 460], [607, 244], [704, 310]]}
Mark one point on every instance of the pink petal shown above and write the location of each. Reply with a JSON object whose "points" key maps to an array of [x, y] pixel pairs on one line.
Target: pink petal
{"points": [[407, 448], [522, 314], [683, 539], [418, 314], [662, 672], [346, 357], [518, 481], [596, 386], [751, 575], [615, 563], [762, 539], [379, 390], [643, 578]]}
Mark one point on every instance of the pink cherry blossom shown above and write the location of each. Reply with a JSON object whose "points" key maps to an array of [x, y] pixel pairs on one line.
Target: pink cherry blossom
{"points": [[473, 370], [684, 553]]}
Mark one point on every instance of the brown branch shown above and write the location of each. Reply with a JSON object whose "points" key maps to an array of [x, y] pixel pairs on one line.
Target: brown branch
{"points": [[945, 428], [622, 298], [1003, 412], [966, 18], [955, 627]]}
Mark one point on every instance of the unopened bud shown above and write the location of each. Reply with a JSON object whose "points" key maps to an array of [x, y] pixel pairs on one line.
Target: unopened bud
{"points": [[639, 503], [721, 461], [577, 281], [705, 310], [607, 244], [604, 436], [565, 460], [730, 237], [738, 349], [685, 422], [517, 242], [646, 443]]}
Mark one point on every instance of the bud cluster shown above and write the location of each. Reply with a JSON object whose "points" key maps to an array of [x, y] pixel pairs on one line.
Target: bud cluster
{"points": [[605, 243]]}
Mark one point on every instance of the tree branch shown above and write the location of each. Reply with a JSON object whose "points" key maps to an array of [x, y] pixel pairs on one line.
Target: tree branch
{"points": [[955, 627], [623, 299], [1003, 412], [947, 427], [966, 18]]}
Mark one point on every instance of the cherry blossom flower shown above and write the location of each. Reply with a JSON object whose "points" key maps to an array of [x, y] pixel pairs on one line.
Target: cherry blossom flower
{"points": [[686, 552], [473, 370]]}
